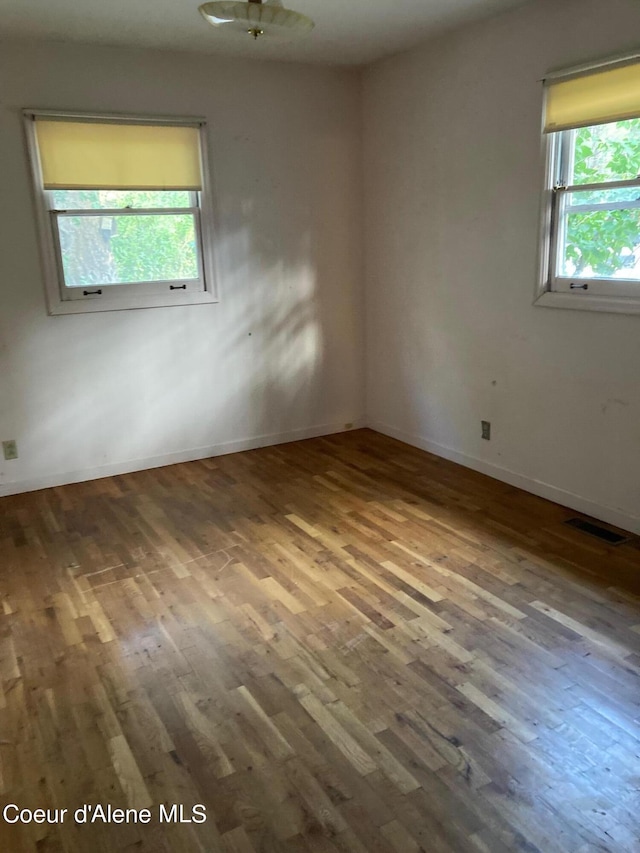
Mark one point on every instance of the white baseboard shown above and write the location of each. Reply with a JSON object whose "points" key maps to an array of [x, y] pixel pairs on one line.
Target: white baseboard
{"points": [[81, 476], [616, 517], [544, 490]]}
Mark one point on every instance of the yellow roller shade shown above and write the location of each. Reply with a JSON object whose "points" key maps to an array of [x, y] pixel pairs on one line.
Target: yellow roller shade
{"points": [[597, 97], [111, 156]]}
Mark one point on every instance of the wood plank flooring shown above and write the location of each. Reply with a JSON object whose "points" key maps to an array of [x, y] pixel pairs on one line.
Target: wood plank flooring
{"points": [[342, 644]]}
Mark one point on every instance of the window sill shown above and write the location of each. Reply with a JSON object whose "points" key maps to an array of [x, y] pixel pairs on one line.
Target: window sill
{"points": [[581, 301], [121, 303]]}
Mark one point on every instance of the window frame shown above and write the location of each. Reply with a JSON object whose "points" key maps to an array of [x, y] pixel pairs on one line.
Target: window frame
{"points": [[614, 295], [117, 297]]}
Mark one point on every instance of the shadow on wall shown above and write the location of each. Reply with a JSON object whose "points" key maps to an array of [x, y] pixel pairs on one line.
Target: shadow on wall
{"points": [[280, 352], [277, 325], [136, 384]]}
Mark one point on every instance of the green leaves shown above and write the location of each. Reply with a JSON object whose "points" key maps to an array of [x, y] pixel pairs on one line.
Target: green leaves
{"points": [[603, 242], [607, 152], [122, 248]]}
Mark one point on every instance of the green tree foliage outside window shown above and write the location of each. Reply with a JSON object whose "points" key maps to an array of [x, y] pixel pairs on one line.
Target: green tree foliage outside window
{"points": [[121, 248], [604, 243]]}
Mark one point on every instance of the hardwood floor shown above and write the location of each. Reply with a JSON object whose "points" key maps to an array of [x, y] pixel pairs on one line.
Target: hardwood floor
{"points": [[342, 644]]}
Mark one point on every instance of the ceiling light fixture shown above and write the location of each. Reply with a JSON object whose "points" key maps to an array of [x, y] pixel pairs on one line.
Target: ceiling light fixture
{"points": [[257, 18]]}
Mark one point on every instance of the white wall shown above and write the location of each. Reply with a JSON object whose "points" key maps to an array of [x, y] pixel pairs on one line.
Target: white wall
{"points": [[452, 165], [451, 177], [279, 357]]}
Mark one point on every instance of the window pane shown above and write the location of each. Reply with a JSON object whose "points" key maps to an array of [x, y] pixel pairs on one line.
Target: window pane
{"points": [[601, 244], [127, 249], [604, 196], [606, 152], [110, 199]]}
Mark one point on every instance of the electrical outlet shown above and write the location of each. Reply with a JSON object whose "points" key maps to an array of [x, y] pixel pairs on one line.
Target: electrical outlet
{"points": [[486, 430], [10, 449]]}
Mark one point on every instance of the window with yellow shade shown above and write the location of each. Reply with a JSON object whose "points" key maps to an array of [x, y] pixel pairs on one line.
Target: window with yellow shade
{"points": [[591, 228], [124, 210]]}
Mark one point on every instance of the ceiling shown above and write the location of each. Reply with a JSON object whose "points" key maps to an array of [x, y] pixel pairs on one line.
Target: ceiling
{"points": [[349, 32]]}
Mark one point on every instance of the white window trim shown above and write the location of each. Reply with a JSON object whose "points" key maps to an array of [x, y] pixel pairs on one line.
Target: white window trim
{"points": [[112, 298], [546, 295]]}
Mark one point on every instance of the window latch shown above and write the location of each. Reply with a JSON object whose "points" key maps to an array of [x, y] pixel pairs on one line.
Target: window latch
{"points": [[575, 286]]}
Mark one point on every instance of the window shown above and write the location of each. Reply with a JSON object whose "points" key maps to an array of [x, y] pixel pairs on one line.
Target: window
{"points": [[591, 223], [124, 211]]}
